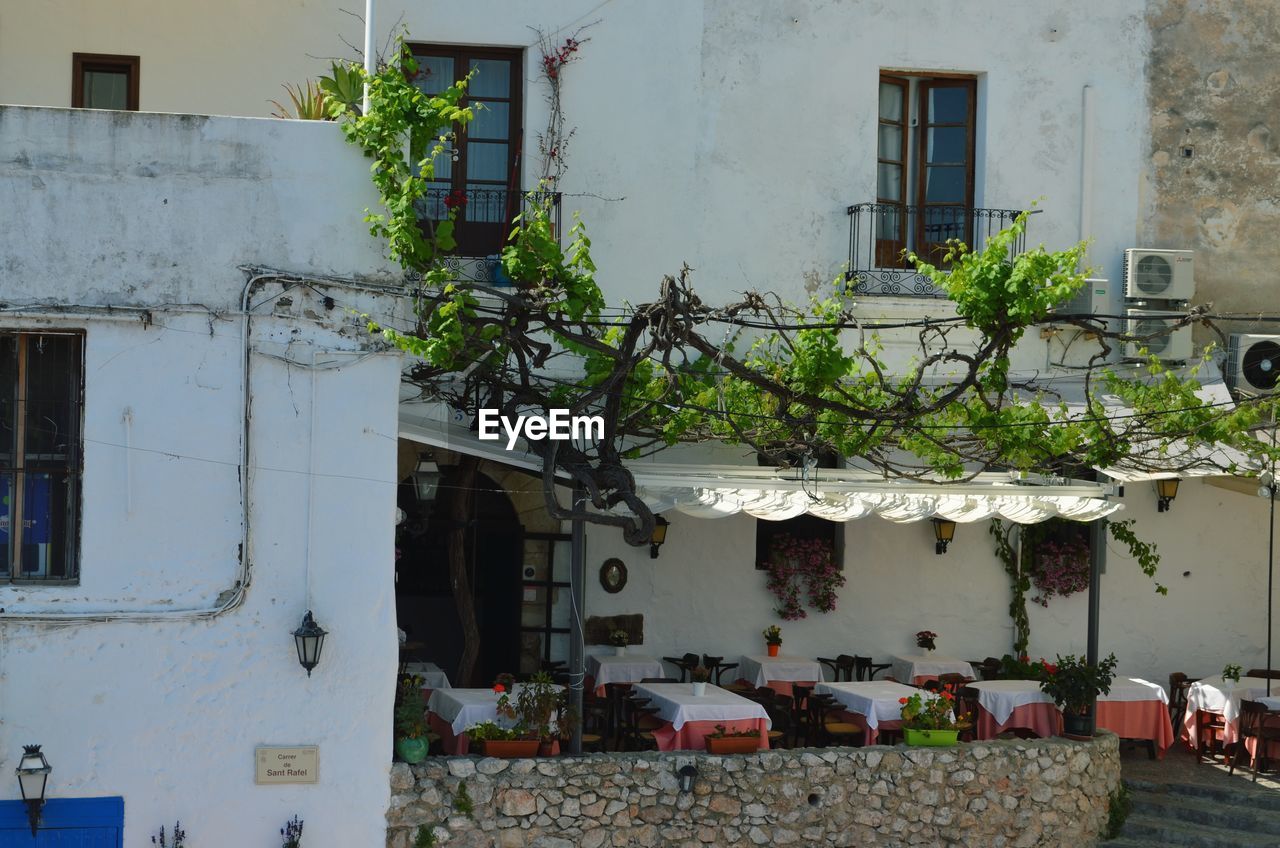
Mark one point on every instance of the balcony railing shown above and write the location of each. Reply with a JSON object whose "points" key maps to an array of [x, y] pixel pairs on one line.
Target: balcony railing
{"points": [[482, 224], [881, 234]]}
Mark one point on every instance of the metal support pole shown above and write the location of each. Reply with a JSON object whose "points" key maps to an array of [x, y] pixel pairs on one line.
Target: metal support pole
{"points": [[370, 53], [577, 588], [1097, 564], [1271, 574]]}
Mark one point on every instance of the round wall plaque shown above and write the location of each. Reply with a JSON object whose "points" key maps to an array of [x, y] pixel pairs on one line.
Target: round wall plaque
{"points": [[613, 575]]}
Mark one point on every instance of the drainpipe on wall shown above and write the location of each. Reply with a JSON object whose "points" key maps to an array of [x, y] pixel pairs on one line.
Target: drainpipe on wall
{"points": [[577, 589], [370, 59], [1086, 163]]}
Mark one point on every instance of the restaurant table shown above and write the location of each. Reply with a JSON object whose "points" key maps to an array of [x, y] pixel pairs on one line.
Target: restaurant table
{"points": [[921, 668], [604, 669], [451, 711], [874, 705], [1008, 704], [1136, 709], [1216, 695], [689, 718], [779, 673], [433, 676]]}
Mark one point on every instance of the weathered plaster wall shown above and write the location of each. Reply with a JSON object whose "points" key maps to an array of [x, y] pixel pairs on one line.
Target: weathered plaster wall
{"points": [[1016, 793], [105, 209], [1214, 87]]}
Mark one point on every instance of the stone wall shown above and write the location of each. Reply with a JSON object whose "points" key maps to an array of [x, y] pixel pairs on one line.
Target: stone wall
{"points": [[1017, 793]]}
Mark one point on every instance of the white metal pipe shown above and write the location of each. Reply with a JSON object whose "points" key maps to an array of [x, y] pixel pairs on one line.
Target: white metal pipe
{"points": [[370, 59], [1086, 163]]}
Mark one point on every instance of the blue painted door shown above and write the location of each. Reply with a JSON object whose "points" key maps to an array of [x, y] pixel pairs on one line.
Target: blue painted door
{"points": [[65, 823]]}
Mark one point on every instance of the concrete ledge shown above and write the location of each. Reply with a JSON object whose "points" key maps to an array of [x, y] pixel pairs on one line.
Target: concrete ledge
{"points": [[1045, 792]]}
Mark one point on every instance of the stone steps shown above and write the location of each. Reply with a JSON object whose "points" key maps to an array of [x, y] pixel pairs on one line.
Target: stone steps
{"points": [[1201, 816]]}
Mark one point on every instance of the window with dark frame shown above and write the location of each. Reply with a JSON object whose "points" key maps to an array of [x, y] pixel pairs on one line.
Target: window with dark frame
{"points": [[104, 81], [479, 175], [546, 613], [924, 165], [41, 393]]}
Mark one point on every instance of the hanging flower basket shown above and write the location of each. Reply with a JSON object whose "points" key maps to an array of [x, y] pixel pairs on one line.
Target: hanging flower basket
{"points": [[803, 568]]}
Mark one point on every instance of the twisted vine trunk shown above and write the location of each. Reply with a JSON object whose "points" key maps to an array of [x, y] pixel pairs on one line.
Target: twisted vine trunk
{"points": [[460, 513]]}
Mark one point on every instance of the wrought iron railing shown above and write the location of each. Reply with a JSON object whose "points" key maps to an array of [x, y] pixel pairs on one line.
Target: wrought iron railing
{"points": [[482, 223], [881, 234]]}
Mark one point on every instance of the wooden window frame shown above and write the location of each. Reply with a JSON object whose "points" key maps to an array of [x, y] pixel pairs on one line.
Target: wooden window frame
{"points": [[131, 66], [473, 243], [926, 249], [74, 464], [889, 251]]}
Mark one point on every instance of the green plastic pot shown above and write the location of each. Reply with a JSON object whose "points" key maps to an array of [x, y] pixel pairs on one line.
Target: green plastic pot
{"points": [[411, 750], [931, 738]]}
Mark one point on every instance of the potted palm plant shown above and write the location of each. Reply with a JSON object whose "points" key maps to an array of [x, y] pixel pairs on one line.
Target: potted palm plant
{"points": [[1074, 685]]}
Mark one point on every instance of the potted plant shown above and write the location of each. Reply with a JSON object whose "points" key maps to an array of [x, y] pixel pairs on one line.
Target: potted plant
{"points": [[1231, 672], [928, 719], [411, 731], [773, 639], [699, 675], [619, 639], [925, 639], [1074, 684], [504, 742], [723, 741], [541, 710]]}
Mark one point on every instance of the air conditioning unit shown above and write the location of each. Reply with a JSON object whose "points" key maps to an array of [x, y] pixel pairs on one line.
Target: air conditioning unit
{"points": [[1156, 337], [1253, 363], [1159, 274], [1091, 299]]}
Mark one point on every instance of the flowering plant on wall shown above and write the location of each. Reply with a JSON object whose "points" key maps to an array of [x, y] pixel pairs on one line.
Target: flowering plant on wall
{"points": [[808, 564], [1061, 568]]}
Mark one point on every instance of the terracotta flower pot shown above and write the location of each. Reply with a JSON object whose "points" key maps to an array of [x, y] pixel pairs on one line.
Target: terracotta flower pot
{"points": [[732, 744], [773, 650], [510, 748]]}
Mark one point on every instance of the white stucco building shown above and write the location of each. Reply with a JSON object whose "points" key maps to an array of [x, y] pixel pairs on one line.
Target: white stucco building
{"points": [[238, 433]]}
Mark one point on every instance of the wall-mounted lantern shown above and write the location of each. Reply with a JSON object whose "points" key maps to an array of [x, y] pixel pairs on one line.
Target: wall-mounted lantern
{"points": [[687, 775], [659, 536], [309, 640], [1166, 491], [426, 479], [33, 778], [943, 532]]}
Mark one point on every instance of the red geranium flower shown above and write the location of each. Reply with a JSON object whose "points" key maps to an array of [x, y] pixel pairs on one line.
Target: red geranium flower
{"points": [[498, 687], [455, 198], [902, 700], [948, 696]]}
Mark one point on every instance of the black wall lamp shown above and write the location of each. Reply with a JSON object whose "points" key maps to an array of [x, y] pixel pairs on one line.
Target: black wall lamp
{"points": [[943, 532], [309, 640], [687, 775], [659, 536], [1166, 491], [33, 778]]}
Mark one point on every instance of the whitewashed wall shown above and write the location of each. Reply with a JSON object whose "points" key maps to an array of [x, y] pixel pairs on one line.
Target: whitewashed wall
{"points": [[153, 210], [703, 593]]}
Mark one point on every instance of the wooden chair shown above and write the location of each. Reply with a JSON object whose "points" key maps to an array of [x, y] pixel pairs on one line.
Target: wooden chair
{"points": [[988, 669], [780, 724], [1263, 673], [953, 682], [717, 666], [842, 667], [686, 664], [966, 712], [865, 669], [828, 727], [800, 728], [1253, 725], [1179, 684], [660, 680], [641, 721], [616, 695], [1210, 728]]}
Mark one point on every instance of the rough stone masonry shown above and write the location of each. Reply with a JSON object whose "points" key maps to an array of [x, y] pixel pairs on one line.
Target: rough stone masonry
{"points": [[1045, 792]]}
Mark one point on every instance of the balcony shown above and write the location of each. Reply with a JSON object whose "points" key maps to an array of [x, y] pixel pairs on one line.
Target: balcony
{"points": [[881, 233], [482, 224]]}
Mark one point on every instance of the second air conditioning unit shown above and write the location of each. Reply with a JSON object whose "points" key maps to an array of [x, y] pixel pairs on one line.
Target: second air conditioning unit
{"points": [[1091, 299], [1153, 333], [1253, 363], [1159, 274]]}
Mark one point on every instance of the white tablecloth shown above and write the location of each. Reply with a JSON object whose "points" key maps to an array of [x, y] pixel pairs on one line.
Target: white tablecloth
{"points": [[433, 676], [463, 708], [759, 670], [1135, 689], [907, 667], [1002, 697], [1272, 703], [677, 704], [877, 700], [1215, 695], [628, 668]]}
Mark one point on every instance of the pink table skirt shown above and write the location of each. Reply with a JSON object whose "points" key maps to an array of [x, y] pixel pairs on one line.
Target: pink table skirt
{"points": [[1188, 731], [780, 687], [1042, 719], [1137, 720], [691, 736], [451, 744], [870, 734]]}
